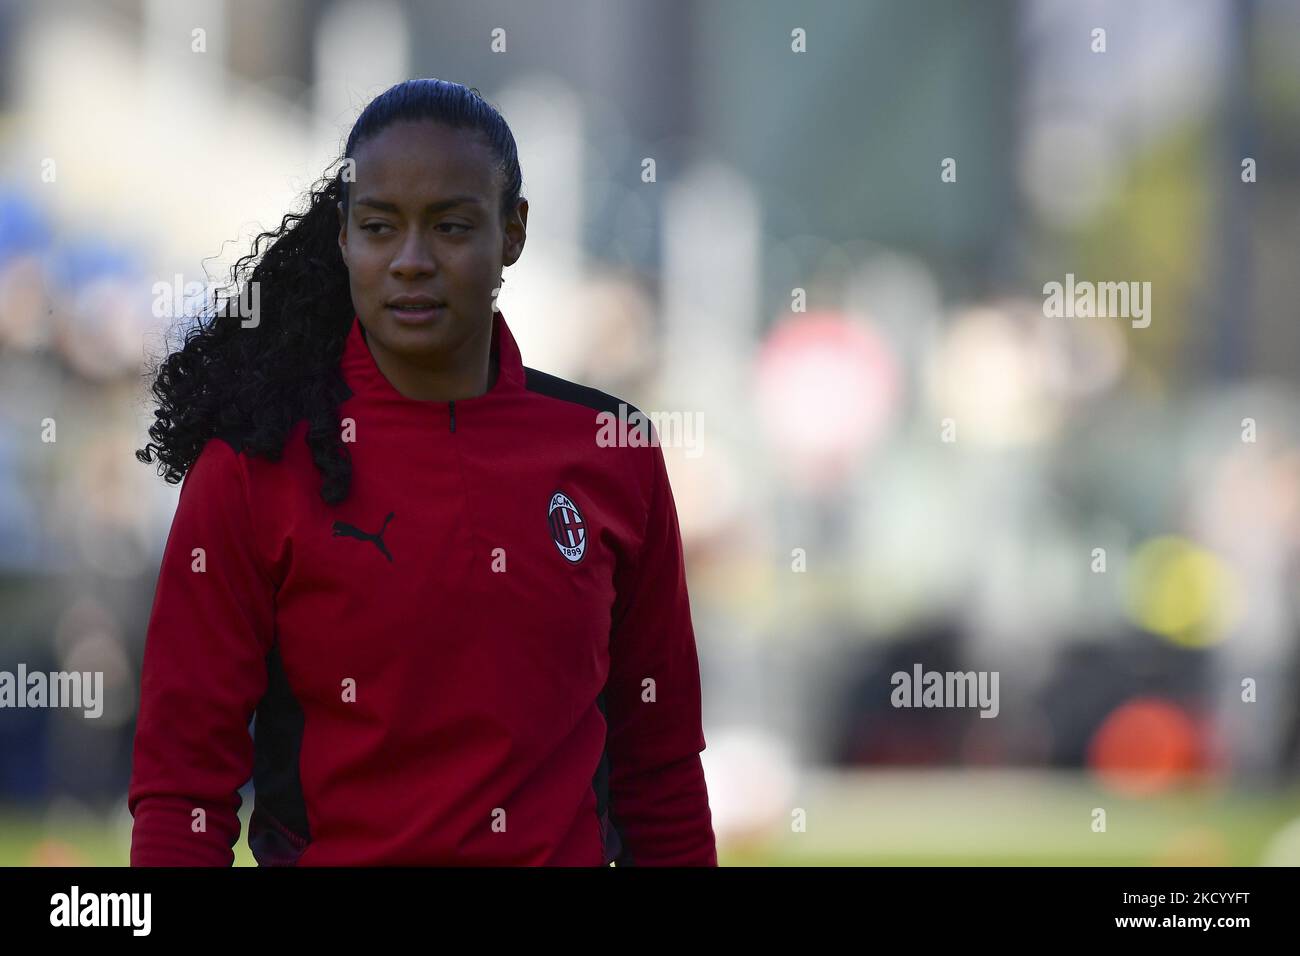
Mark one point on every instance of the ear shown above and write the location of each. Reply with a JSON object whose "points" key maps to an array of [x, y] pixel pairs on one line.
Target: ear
{"points": [[515, 234]]}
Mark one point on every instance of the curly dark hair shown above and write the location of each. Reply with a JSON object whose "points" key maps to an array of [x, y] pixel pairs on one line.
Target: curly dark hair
{"points": [[256, 383]]}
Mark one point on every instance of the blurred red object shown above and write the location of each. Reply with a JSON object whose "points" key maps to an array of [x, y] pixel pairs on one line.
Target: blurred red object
{"points": [[1146, 745]]}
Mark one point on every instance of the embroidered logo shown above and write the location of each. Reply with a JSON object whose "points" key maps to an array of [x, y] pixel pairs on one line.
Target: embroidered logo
{"points": [[344, 530], [568, 530]]}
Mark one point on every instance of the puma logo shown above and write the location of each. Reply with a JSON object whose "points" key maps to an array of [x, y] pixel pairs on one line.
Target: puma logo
{"points": [[345, 530]]}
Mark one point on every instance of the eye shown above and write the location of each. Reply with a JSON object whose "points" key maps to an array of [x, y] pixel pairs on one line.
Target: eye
{"points": [[374, 227], [454, 225]]}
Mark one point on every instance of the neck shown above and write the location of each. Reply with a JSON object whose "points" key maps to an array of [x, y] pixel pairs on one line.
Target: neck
{"points": [[469, 373]]}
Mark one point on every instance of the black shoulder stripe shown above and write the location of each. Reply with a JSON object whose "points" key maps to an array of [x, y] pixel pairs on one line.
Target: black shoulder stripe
{"points": [[552, 386]]}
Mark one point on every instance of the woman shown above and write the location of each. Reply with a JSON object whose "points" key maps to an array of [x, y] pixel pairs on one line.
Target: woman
{"points": [[460, 621]]}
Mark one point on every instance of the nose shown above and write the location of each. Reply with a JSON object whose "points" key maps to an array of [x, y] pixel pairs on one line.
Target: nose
{"points": [[414, 257]]}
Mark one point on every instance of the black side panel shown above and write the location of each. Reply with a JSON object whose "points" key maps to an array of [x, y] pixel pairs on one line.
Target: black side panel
{"points": [[613, 839], [278, 831]]}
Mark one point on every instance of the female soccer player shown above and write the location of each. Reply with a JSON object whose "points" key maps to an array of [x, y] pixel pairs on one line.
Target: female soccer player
{"points": [[459, 619]]}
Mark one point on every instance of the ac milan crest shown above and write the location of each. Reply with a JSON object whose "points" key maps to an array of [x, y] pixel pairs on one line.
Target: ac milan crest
{"points": [[568, 530]]}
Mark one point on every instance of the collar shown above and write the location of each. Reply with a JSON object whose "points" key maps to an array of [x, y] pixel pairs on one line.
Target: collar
{"points": [[365, 380]]}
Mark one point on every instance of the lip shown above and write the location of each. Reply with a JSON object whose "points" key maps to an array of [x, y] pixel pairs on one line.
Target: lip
{"points": [[410, 298], [417, 309]]}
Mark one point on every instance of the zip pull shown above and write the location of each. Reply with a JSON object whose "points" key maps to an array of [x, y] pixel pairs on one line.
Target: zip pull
{"points": [[453, 415]]}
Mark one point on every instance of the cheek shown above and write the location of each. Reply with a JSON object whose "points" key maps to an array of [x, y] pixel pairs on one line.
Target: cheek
{"points": [[366, 270], [474, 264]]}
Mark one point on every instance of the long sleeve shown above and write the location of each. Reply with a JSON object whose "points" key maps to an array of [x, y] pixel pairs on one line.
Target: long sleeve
{"points": [[210, 629], [658, 800]]}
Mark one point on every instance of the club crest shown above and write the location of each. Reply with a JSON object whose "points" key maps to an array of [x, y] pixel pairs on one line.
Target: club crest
{"points": [[568, 529]]}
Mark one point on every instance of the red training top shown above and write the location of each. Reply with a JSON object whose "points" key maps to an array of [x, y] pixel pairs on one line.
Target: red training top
{"points": [[483, 656]]}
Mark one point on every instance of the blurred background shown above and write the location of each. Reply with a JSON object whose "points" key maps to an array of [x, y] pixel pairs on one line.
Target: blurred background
{"points": [[836, 267]]}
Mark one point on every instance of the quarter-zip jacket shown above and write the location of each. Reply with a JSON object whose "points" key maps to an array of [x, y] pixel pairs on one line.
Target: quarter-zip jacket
{"points": [[483, 656]]}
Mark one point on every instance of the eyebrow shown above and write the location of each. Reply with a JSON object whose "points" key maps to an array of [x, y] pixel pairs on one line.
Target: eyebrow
{"points": [[438, 206]]}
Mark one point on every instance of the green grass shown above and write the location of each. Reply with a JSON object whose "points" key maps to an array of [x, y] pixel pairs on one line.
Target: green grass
{"points": [[70, 836], [1008, 818], [943, 818]]}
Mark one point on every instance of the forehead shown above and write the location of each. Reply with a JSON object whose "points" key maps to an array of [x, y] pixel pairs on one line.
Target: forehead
{"points": [[425, 161]]}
